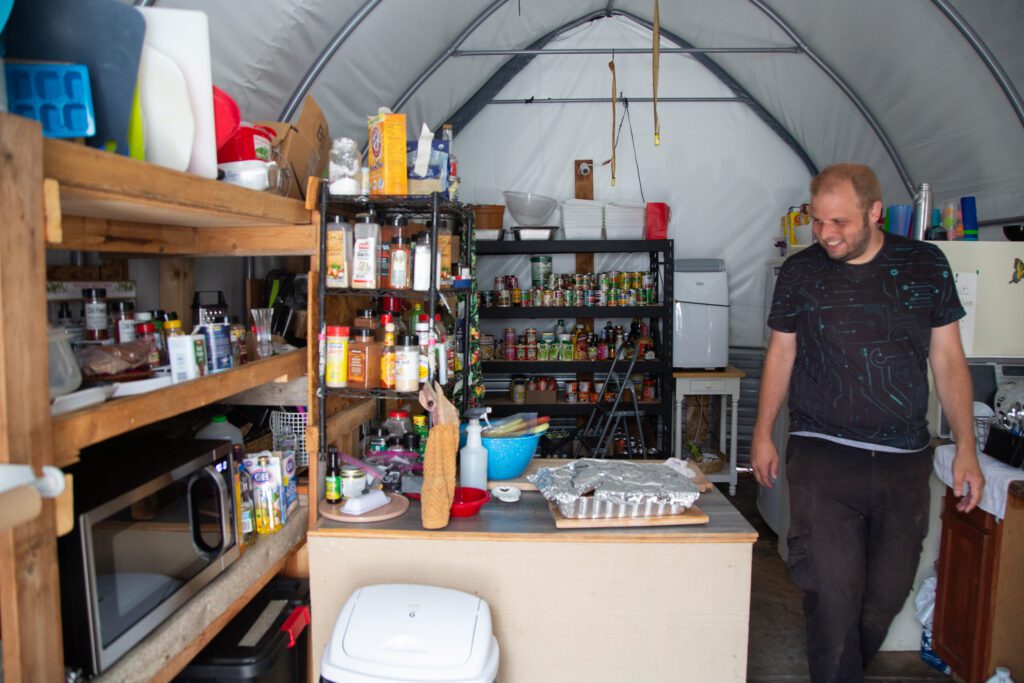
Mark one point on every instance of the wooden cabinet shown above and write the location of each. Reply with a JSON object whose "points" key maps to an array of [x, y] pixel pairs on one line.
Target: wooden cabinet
{"points": [[59, 195], [979, 611]]}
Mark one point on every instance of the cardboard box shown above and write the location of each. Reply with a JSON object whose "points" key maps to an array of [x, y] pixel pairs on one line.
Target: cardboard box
{"points": [[305, 146], [550, 396], [386, 154]]}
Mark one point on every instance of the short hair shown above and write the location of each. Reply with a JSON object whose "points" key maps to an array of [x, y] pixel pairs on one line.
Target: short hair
{"points": [[865, 182]]}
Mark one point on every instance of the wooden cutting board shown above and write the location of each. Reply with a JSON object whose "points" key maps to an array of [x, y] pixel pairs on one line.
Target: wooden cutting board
{"points": [[396, 507], [520, 482], [693, 515]]}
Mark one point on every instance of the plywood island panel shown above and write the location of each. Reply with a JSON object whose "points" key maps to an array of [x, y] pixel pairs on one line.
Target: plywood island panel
{"points": [[656, 603]]}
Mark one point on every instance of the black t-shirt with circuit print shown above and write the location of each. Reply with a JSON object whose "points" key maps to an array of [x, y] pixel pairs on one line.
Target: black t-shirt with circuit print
{"points": [[863, 335]]}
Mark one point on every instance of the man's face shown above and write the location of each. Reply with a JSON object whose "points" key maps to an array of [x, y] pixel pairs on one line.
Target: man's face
{"points": [[845, 230]]}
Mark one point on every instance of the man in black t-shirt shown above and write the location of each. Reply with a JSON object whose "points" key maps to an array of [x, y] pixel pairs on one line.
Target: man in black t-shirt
{"points": [[855, 320]]}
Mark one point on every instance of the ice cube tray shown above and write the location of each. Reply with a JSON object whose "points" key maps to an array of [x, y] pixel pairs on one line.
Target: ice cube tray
{"points": [[56, 95]]}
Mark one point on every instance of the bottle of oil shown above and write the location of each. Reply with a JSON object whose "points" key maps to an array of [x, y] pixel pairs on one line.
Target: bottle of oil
{"points": [[332, 479]]}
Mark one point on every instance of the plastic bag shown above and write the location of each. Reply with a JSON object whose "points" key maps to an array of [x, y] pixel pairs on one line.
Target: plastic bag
{"points": [[924, 602]]}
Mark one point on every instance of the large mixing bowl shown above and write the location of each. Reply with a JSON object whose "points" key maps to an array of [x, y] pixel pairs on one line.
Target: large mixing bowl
{"points": [[528, 208]]}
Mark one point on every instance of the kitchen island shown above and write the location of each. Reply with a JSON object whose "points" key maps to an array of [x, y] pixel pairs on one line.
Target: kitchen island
{"points": [[610, 604]]}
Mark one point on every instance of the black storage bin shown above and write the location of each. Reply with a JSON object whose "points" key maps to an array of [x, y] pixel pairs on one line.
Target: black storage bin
{"points": [[254, 647]]}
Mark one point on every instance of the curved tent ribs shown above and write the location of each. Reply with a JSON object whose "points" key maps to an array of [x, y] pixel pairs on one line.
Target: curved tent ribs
{"points": [[464, 114]]}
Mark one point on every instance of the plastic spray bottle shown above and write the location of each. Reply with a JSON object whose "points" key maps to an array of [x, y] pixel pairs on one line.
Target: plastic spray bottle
{"points": [[473, 458]]}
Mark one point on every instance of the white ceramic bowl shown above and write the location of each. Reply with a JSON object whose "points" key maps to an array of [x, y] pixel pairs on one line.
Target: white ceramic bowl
{"points": [[528, 208]]}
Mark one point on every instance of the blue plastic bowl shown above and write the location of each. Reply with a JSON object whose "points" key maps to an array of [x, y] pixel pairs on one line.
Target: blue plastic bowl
{"points": [[508, 458]]}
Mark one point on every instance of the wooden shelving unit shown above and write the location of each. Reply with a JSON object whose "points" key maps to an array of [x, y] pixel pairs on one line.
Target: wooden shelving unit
{"points": [[59, 195], [74, 431]]}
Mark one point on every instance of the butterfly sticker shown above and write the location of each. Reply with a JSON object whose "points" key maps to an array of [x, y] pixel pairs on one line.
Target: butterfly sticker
{"points": [[1018, 272]]}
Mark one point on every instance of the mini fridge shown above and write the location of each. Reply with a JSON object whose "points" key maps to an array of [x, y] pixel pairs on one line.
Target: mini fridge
{"points": [[700, 318]]}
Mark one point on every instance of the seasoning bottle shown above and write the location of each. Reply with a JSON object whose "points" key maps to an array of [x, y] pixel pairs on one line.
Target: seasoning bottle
{"points": [[387, 353], [425, 348], [336, 371], [413, 316], [339, 253], [419, 426], [332, 480], [95, 313], [407, 364], [124, 322], [365, 253], [364, 361], [366, 319], [393, 305], [401, 255], [421, 264], [146, 331], [384, 264]]}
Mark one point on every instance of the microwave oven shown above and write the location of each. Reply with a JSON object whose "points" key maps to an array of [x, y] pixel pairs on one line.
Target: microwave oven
{"points": [[154, 523]]}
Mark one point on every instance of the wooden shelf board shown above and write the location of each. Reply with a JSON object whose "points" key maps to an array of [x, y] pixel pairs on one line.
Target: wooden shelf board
{"points": [[94, 183], [89, 426]]}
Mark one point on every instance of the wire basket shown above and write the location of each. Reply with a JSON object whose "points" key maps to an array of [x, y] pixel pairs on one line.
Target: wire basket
{"points": [[283, 423]]}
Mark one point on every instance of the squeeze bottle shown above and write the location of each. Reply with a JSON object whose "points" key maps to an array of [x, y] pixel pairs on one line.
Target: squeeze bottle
{"points": [[473, 459]]}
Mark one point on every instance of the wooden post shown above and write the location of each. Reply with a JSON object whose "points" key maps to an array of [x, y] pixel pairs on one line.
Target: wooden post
{"points": [[177, 283], [29, 580]]}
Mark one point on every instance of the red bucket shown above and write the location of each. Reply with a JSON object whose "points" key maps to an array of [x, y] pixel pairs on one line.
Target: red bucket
{"points": [[658, 216], [249, 143]]}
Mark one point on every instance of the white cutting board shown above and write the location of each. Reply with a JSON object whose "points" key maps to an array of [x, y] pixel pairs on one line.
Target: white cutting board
{"points": [[184, 36], [166, 111]]}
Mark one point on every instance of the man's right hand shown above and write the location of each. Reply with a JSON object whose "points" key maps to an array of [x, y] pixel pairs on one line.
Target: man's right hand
{"points": [[764, 458]]}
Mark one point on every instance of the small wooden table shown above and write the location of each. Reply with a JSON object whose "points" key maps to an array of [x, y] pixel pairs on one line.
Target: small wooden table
{"points": [[722, 383]]}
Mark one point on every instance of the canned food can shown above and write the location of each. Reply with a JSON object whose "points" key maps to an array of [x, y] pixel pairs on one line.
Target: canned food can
{"points": [[549, 337], [558, 298], [584, 386], [570, 397], [531, 335], [613, 297], [551, 282], [642, 297], [613, 279], [540, 269], [572, 386], [499, 283], [579, 297], [504, 299], [513, 281], [510, 335], [577, 279], [543, 350], [547, 298], [517, 297], [631, 297], [510, 351], [592, 297], [648, 280], [588, 281], [603, 281], [638, 280], [531, 384], [487, 299], [537, 296], [520, 351]]}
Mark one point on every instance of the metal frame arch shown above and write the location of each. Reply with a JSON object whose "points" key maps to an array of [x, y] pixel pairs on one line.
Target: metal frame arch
{"points": [[461, 38], [468, 111], [325, 56], [845, 87], [972, 37]]}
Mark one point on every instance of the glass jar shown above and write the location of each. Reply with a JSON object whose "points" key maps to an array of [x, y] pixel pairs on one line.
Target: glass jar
{"points": [[95, 313], [124, 322], [353, 482]]}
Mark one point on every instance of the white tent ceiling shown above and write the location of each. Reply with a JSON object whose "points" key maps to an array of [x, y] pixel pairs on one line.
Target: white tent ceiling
{"points": [[896, 85]]}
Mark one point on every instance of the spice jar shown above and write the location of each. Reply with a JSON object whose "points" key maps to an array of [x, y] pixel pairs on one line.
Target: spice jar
{"points": [[364, 361], [401, 257], [95, 313], [147, 331], [367, 320], [407, 364], [336, 370], [124, 322]]}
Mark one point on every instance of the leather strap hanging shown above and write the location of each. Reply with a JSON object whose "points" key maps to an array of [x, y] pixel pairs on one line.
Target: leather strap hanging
{"points": [[655, 63], [611, 65]]}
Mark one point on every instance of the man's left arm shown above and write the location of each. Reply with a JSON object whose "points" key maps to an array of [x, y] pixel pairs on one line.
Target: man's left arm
{"points": [[956, 395]]}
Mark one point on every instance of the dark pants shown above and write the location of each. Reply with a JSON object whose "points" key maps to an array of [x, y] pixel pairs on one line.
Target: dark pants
{"points": [[858, 519]]}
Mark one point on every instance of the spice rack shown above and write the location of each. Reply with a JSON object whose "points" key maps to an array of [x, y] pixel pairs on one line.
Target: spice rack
{"points": [[430, 207], [659, 316]]}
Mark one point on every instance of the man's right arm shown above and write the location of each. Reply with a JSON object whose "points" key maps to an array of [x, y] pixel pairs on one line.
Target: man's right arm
{"points": [[778, 368]]}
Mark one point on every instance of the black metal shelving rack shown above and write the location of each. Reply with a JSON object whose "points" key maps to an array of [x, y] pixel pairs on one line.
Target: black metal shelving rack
{"points": [[430, 207], [661, 260]]}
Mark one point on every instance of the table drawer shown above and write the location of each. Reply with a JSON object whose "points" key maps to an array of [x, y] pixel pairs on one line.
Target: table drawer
{"points": [[703, 386]]}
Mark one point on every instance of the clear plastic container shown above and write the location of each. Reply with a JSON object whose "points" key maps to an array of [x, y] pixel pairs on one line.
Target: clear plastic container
{"points": [[366, 253], [220, 428], [398, 423], [65, 376]]}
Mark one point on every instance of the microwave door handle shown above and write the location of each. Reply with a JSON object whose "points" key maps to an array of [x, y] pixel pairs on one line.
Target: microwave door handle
{"points": [[202, 548]]}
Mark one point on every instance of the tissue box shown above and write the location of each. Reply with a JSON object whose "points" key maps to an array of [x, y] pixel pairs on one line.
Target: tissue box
{"points": [[436, 177], [386, 154]]}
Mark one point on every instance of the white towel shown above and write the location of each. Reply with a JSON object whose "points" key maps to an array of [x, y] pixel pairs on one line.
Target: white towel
{"points": [[998, 476]]}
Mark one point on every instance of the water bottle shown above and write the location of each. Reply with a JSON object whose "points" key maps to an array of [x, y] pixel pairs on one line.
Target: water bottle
{"points": [[1002, 675], [922, 211]]}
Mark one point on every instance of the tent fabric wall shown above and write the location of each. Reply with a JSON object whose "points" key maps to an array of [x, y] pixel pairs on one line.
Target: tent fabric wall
{"points": [[931, 94]]}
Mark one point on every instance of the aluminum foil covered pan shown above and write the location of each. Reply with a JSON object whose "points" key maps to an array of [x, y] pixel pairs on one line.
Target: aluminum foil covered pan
{"points": [[614, 488]]}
